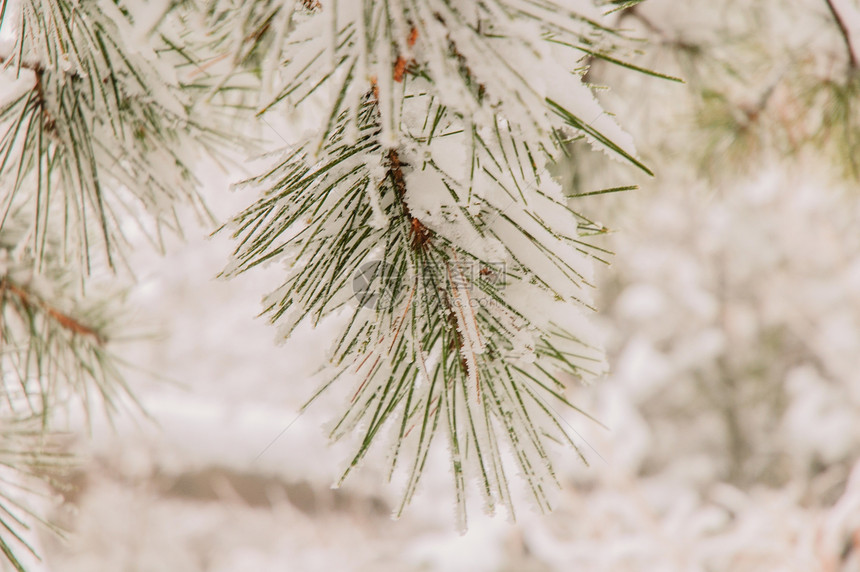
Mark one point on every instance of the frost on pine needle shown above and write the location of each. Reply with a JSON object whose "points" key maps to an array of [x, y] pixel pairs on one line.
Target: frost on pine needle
{"points": [[100, 135], [428, 179]]}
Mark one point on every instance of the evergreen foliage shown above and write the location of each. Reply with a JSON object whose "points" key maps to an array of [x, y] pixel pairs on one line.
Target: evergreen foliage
{"points": [[427, 172], [437, 127]]}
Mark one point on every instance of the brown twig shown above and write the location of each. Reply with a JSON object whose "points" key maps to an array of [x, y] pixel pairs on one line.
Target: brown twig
{"points": [[64, 320], [420, 234], [402, 63], [852, 59]]}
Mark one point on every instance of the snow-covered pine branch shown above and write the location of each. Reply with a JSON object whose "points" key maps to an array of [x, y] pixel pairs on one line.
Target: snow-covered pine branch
{"points": [[54, 352], [97, 132], [427, 175]]}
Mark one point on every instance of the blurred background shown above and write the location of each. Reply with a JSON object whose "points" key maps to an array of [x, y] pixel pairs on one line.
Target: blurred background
{"points": [[731, 315]]}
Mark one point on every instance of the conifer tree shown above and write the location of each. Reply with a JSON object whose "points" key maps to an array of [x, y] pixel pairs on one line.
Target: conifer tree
{"points": [[414, 200]]}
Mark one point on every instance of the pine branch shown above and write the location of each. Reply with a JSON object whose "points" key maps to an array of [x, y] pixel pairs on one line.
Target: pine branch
{"points": [[429, 169], [49, 356], [83, 133], [54, 353]]}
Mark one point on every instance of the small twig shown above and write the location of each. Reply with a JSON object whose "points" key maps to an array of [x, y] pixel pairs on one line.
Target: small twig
{"points": [[64, 320], [852, 59], [421, 235], [753, 112]]}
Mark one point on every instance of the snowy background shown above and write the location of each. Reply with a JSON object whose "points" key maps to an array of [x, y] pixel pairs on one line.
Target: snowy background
{"points": [[731, 314]]}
